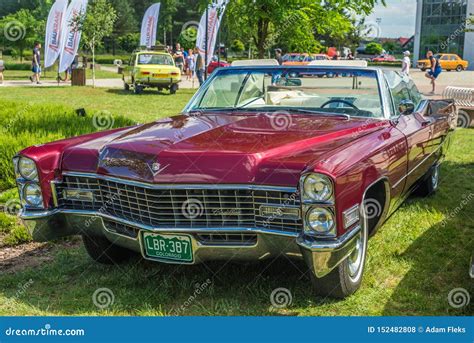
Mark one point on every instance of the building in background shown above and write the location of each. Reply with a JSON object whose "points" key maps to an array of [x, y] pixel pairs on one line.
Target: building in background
{"points": [[441, 26]]}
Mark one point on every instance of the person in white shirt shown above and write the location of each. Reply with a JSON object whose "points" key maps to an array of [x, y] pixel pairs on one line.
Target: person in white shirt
{"points": [[406, 63]]}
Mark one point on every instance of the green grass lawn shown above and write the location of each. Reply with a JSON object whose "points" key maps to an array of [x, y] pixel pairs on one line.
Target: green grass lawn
{"points": [[415, 260]]}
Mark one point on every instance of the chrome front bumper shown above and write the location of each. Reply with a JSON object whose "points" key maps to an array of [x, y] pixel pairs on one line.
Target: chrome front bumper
{"points": [[320, 256]]}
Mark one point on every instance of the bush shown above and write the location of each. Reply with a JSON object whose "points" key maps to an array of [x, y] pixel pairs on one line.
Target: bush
{"points": [[17, 66], [237, 46], [23, 125], [373, 49]]}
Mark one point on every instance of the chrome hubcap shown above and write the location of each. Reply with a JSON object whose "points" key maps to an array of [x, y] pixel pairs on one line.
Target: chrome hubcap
{"points": [[355, 259]]}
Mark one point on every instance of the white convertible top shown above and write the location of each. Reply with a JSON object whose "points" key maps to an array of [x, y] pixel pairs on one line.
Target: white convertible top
{"points": [[340, 63]]}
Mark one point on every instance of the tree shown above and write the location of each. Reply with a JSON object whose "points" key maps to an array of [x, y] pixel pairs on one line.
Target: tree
{"points": [[21, 29], [373, 48], [97, 24], [297, 22]]}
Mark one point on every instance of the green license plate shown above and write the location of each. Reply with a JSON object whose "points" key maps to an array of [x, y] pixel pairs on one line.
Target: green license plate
{"points": [[176, 248]]}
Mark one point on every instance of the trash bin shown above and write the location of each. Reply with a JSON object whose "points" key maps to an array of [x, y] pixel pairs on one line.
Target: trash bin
{"points": [[78, 77]]}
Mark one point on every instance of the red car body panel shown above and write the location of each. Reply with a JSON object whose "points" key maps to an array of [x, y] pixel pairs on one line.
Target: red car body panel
{"points": [[215, 64]]}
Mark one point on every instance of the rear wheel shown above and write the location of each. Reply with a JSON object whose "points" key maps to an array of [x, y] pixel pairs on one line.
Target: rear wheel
{"points": [[430, 182], [346, 278], [459, 68], [174, 88], [464, 120], [138, 89], [101, 250]]}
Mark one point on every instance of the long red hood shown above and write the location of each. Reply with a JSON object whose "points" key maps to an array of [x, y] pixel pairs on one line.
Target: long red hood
{"points": [[220, 148]]}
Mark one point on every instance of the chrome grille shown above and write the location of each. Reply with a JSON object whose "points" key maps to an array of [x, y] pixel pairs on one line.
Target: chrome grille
{"points": [[181, 208]]}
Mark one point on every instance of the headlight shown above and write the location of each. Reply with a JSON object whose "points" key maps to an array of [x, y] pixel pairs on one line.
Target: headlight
{"points": [[32, 195], [320, 221], [27, 169], [317, 187]]}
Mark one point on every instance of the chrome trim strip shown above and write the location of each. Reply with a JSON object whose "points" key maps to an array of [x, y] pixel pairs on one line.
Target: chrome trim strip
{"points": [[416, 167], [43, 214], [330, 244], [184, 186]]}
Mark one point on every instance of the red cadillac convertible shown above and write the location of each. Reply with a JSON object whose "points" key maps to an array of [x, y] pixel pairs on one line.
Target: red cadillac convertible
{"points": [[264, 162]]}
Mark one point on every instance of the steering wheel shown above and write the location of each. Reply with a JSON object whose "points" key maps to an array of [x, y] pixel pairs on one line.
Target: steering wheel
{"points": [[341, 102]]}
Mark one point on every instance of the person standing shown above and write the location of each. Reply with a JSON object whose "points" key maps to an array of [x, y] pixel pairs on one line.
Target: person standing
{"points": [[190, 65], [36, 64], [434, 71], [278, 56], [199, 66], [406, 63]]}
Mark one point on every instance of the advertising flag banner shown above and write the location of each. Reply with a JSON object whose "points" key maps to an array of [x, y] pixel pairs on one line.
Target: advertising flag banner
{"points": [[71, 36], [215, 13], [54, 32], [149, 26]]}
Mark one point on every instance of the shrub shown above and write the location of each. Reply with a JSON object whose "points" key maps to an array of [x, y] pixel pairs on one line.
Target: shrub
{"points": [[373, 49], [237, 46]]}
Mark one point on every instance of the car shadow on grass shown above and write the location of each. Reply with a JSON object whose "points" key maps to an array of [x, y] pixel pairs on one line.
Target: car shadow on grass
{"points": [[440, 257]]}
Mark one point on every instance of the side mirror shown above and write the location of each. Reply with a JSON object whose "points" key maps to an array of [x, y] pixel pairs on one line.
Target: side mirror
{"points": [[406, 107]]}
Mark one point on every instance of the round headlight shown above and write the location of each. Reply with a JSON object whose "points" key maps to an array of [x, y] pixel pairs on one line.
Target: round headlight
{"points": [[320, 220], [317, 187], [32, 195], [27, 169]]}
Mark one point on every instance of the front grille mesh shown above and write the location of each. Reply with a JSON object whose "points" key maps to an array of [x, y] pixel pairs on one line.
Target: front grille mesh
{"points": [[180, 208]]}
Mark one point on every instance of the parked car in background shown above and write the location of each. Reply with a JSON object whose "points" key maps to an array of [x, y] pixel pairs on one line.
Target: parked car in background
{"points": [[259, 165], [447, 61], [216, 64], [151, 69], [302, 59], [384, 58]]}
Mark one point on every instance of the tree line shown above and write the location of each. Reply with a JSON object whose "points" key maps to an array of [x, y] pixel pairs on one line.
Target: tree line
{"points": [[256, 25]]}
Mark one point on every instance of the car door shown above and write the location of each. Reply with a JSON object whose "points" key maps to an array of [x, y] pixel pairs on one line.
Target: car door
{"points": [[445, 62], [416, 128]]}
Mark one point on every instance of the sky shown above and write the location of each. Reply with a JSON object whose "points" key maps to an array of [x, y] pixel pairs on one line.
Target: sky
{"points": [[397, 18]]}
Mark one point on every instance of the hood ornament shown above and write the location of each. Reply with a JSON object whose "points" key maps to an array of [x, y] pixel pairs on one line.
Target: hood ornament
{"points": [[156, 168]]}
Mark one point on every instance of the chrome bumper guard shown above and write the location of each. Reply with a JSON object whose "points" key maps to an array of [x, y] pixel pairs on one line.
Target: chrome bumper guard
{"points": [[320, 256]]}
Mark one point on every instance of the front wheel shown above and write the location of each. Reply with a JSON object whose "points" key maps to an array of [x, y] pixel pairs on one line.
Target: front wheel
{"points": [[101, 250], [459, 68], [346, 278]]}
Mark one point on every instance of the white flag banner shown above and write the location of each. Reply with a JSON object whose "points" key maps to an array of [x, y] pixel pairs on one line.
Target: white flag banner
{"points": [[215, 13], [149, 26], [72, 36], [54, 32]]}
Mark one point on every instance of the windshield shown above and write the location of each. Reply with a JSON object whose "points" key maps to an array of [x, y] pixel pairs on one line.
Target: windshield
{"points": [[320, 90], [145, 59]]}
